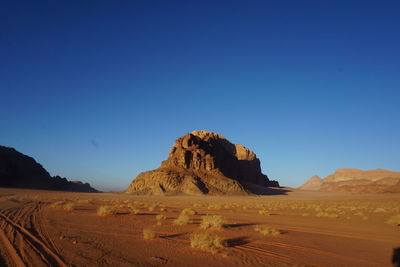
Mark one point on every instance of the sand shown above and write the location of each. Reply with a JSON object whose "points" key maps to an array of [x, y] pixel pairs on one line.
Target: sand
{"points": [[316, 229]]}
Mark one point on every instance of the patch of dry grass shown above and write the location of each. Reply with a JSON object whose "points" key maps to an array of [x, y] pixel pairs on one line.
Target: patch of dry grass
{"points": [[265, 230], [327, 215], [188, 211], [395, 220], [182, 219], [264, 212], [148, 234], [207, 242], [106, 210], [58, 204], [83, 201], [214, 207], [134, 210], [69, 206], [215, 221], [160, 218]]}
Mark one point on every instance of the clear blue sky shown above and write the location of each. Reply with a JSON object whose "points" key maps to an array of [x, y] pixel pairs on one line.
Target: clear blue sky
{"points": [[99, 90]]}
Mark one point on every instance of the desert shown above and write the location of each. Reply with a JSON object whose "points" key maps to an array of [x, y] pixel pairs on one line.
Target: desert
{"points": [[298, 228]]}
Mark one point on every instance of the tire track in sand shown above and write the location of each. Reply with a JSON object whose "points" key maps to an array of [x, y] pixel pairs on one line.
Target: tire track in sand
{"points": [[37, 245]]}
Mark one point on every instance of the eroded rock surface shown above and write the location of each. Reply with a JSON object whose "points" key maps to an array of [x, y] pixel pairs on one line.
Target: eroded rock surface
{"points": [[204, 162]]}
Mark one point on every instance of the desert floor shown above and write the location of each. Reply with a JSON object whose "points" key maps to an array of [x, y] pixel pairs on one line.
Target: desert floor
{"points": [[47, 228]]}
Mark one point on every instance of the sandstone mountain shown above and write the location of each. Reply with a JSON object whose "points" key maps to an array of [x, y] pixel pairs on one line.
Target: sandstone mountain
{"points": [[21, 171], [203, 162], [314, 183], [356, 181]]}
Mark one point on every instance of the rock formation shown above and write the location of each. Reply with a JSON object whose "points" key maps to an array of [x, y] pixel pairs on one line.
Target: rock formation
{"points": [[356, 181], [21, 171], [314, 183], [203, 162]]}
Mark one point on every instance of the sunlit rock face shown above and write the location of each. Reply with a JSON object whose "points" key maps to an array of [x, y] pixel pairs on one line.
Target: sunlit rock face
{"points": [[203, 162]]}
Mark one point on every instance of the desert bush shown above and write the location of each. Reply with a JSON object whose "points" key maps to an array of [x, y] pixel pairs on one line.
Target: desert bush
{"points": [[265, 230], [152, 207], [163, 209], [214, 221], [182, 219], [188, 211], [305, 214], [58, 204], [379, 210], [148, 234], [106, 210], [160, 217], [395, 220], [133, 210], [83, 201], [214, 207], [207, 242], [327, 215], [264, 212], [359, 213], [69, 206]]}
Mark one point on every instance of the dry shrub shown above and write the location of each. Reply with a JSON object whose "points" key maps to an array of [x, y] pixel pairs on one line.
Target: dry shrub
{"points": [[183, 219], [160, 217], [207, 241], [163, 209], [148, 234], [188, 211], [379, 210], [83, 201], [395, 220], [106, 210], [69, 206], [264, 212], [214, 207], [152, 207], [359, 213], [327, 215], [214, 221], [305, 214], [133, 210], [58, 204], [265, 230]]}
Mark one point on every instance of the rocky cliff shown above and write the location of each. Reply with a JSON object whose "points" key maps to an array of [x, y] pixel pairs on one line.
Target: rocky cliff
{"points": [[356, 181], [21, 171], [203, 162]]}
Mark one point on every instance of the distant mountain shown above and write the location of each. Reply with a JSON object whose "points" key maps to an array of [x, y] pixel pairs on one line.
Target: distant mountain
{"points": [[356, 181], [203, 162], [314, 183], [21, 171]]}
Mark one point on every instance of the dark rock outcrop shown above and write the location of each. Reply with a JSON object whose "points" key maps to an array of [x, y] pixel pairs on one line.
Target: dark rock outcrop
{"points": [[356, 181], [21, 171], [204, 162]]}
